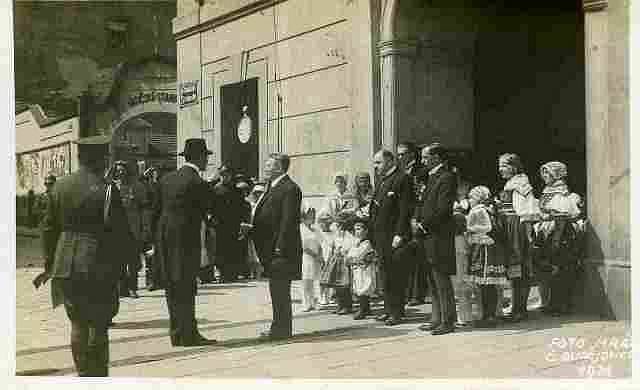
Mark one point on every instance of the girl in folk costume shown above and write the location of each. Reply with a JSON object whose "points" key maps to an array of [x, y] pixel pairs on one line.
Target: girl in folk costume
{"points": [[558, 234], [485, 268], [311, 257], [326, 240], [336, 273], [517, 212], [363, 261]]}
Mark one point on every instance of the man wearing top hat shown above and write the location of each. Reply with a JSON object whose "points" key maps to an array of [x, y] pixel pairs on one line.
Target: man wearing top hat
{"points": [[85, 232], [181, 209]]}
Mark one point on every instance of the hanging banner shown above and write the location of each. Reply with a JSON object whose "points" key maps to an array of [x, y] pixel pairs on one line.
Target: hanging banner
{"points": [[32, 168]]}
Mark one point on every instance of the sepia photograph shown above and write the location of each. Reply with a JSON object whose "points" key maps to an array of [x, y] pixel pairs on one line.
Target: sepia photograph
{"points": [[322, 189]]}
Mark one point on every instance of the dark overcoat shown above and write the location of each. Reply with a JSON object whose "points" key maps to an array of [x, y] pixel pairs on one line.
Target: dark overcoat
{"points": [[81, 245], [228, 211], [437, 218], [276, 232], [391, 211], [181, 205]]}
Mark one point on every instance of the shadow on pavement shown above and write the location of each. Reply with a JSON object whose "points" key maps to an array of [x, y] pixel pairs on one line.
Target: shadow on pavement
{"points": [[157, 324]]}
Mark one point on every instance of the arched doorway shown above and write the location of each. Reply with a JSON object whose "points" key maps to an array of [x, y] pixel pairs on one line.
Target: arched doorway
{"points": [[146, 139], [486, 78]]}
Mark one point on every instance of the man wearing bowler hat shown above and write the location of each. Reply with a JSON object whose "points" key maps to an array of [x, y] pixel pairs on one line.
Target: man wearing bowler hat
{"points": [[181, 209], [85, 234]]}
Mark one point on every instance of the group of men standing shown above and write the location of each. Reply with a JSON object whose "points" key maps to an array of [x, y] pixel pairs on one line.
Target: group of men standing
{"points": [[87, 237], [413, 232]]}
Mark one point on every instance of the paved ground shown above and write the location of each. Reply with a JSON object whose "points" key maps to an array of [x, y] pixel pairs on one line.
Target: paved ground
{"points": [[325, 345]]}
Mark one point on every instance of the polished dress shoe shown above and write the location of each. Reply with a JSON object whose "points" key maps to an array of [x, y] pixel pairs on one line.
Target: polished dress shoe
{"points": [[344, 311], [134, 295], [415, 302], [382, 317], [443, 329], [429, 327], [392, 321]]}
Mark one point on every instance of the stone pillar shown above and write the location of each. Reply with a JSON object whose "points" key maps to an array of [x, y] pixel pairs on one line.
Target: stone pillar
{"points": [[397, 59], [607, 267], [597, 106]]}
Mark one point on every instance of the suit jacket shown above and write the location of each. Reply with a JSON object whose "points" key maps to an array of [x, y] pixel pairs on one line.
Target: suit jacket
{"points": [[437, 218], [228, 211], [276, 232], [180, 206], [77, 242], [391, 210]]}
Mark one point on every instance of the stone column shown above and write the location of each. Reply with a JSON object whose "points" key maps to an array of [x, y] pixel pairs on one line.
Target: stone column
{"points": [[396, 65], [597, 106]]}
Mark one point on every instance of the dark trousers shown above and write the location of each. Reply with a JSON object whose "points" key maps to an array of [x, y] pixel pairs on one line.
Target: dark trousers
{"points": [[90, 348], [395, 281], [418, 279], [280, 290], [489, 297], [344, 299], [181, 301], [443, 309], [520, 293]]}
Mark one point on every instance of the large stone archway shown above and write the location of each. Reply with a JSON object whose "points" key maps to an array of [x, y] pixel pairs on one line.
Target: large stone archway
{"points": [[602, 30]]}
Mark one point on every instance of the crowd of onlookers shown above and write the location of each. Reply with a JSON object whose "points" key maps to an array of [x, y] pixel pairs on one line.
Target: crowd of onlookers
{"points": [[503, 239]]}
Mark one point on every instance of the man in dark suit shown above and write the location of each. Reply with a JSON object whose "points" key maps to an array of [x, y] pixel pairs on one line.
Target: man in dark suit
{"points": [[86, 234], [276, 234], [409, 160], [181, 207], [391, 210], [227, 213], [436, 221]]}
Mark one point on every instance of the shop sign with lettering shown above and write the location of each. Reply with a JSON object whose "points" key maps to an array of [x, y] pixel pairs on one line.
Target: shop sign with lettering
{"points": [[152, 96]]}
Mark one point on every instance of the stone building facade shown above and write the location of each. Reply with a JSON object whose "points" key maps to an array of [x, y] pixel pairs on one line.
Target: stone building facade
{"points": [[329, 82]]}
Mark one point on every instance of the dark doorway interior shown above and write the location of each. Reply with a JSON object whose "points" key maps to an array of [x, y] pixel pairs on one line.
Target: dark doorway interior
{"points": [[529, 90], [240, 147]]}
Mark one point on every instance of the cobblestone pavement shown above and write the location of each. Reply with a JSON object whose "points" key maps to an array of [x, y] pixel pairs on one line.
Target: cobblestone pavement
{"points": [[325, 345]]}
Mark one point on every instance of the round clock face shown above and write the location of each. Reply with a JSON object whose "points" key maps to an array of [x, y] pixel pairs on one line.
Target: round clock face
{"points": [[244, 130]]}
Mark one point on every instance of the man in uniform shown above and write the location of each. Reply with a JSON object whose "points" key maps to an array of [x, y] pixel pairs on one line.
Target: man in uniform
{"points": [[181, 209], [84, 229]]}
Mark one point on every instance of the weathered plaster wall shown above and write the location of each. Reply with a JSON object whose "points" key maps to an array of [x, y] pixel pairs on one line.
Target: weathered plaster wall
{"points": [[316, 55]]}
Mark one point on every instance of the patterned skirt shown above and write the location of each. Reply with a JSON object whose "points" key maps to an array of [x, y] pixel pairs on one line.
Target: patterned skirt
{"points": [[485, 268], [514, 246]]}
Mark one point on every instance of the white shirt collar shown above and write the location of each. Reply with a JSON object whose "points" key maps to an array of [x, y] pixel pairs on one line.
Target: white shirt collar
{"points": [[277, 180], [435, 169], [194, 166]]}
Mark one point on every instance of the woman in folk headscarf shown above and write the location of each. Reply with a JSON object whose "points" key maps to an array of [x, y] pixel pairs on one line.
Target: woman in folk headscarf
{"points": [[363, 192], [342, 200], [517, 212], [557, 234]]}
